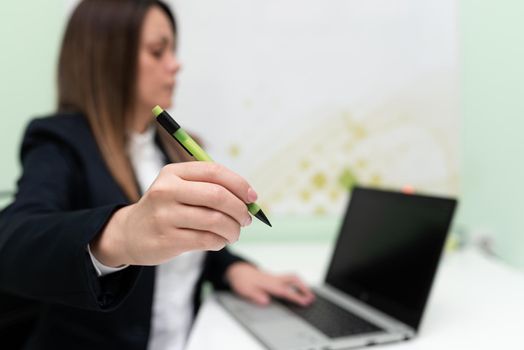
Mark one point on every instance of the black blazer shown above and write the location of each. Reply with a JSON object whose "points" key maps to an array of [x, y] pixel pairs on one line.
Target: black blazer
{"points": [[50, 296]]}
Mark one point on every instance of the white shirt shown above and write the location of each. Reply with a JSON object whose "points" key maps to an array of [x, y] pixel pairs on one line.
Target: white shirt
{"points": [[175, 281]]}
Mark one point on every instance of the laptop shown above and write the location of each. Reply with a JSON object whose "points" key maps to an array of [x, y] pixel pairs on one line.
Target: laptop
{"points": [[377, 284]]}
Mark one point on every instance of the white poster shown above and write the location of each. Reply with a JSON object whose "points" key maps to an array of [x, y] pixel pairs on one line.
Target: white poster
{"points": [[306, 98]]}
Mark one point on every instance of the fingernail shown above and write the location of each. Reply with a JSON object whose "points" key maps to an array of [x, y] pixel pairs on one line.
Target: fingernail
{"points": [[251, 195], [248, 221]]}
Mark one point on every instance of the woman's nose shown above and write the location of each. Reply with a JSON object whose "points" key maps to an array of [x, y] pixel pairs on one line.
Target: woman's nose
{"points": [[174, 64]]}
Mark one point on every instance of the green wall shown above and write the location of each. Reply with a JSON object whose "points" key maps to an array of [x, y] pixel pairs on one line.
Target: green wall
{"points": [[493, 123], [492, 149], [30, 32]]}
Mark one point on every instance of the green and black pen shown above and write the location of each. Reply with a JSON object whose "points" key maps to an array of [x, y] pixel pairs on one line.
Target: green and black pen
{"points": [[172, 127]]}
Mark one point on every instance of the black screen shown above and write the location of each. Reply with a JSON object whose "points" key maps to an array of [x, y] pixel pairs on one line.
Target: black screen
{"points": [[388, 250]]}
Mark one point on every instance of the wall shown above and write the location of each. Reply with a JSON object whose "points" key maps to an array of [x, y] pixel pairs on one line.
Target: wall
{"points": [[492, 106], [310, 96], [30, 32], [493, 124]]}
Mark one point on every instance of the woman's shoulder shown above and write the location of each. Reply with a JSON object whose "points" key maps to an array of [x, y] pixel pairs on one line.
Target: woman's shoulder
{"points": [[59, 123], [64, 129]]}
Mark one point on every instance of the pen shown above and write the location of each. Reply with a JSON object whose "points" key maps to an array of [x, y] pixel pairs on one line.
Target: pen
{"points": [[191, 147]]}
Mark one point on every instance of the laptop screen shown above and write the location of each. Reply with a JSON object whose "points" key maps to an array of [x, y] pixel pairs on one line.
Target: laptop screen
{"points": [[388, 250]]}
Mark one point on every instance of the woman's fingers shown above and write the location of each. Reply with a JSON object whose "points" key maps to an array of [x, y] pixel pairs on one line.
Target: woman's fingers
{"points": [[258, 286], [189, 240], [299, 286], [213, 196], [292, 289], [217, 174], [258, 296], [205, 219]]}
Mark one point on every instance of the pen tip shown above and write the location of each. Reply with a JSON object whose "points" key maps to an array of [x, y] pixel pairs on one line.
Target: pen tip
{"points": [[262, 217]]}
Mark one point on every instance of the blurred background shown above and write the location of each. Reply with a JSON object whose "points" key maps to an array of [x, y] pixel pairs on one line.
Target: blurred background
{"points": [[308, 98]]}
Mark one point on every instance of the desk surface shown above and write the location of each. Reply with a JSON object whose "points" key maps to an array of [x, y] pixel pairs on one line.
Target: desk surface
{"points": [[476, 303]]}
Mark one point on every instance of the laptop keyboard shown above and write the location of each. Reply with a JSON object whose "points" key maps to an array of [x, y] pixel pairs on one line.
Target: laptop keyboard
{"points": [[331, 319]]}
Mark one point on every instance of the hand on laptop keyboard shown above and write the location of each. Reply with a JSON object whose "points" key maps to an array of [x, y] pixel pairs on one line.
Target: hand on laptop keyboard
{"points": [[259, 286]]}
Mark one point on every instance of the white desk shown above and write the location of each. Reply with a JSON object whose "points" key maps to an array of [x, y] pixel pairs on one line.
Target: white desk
{"points": [[476, 303]]}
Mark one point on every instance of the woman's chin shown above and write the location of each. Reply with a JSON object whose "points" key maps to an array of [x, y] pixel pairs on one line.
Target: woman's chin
{"points": [[167, 103]]}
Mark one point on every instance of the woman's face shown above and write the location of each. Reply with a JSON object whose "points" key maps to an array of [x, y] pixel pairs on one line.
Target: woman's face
{"points": [[157, 63]]}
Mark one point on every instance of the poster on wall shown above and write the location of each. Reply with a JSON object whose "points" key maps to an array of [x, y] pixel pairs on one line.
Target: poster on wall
{"points": [[308, 98]]}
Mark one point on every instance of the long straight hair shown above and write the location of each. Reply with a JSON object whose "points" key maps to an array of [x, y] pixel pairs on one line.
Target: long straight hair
{"points": [[97, 74]]}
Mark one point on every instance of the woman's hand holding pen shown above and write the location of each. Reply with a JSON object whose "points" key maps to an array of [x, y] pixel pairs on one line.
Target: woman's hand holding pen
{"points": [[190, 206]]}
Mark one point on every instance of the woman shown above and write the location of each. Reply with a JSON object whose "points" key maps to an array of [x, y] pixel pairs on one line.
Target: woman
{"points": [[80, 245]]}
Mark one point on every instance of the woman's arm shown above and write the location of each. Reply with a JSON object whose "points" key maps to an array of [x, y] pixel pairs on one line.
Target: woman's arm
{"points": [[43, 240]]}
